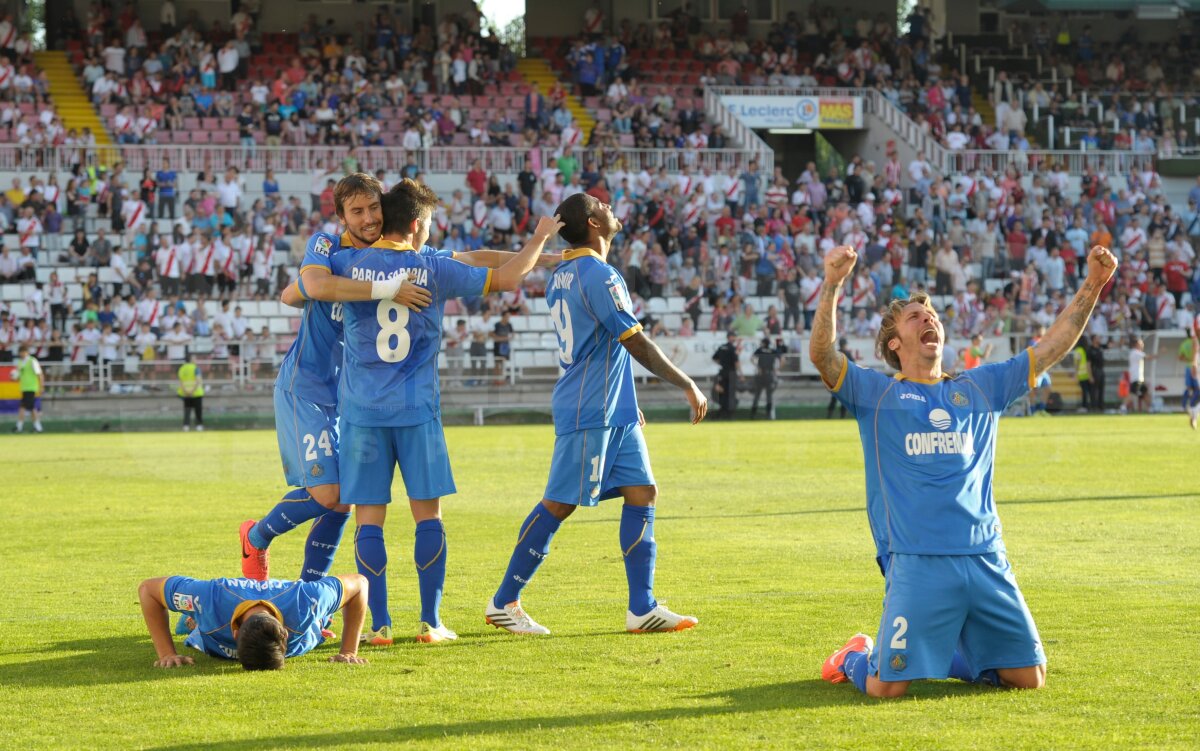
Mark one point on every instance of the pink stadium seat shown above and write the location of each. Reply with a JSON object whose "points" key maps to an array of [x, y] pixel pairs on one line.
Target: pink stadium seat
{"points": [[210, 123], [199, 137], [229, 123], [191, 123]]}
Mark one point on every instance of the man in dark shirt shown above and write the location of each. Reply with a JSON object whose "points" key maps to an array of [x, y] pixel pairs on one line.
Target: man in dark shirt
{"points": [[766, 377], [1095, 356], [502, 338], [166, 179], [273, 125], [725, 388]]}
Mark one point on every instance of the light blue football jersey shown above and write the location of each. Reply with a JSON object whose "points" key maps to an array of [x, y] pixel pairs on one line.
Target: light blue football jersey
{"points": [[929, 450], [310, 367], [302, 607], [390, 374], [591, 312]]}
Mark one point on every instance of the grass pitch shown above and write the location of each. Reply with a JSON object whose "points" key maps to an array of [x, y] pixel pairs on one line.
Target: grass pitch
{"points": [[762, 535]]}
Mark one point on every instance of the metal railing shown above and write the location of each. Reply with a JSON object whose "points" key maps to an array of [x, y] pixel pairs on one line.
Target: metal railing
{"points": [[1109, 162], [441, 159], [718, 114]]}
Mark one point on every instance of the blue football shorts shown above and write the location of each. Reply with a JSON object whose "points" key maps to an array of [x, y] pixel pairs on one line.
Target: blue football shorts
{"points": [[1191, 389], [934, 604], [592, 465], [308, 440], [370, 455]]}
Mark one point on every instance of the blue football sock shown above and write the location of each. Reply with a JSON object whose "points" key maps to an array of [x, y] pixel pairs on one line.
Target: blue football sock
{"points": [[639, 550], [296, 508], [372, 563], [962, 671], [856, 667], [429, 554], [322, 544], [533, 545]]}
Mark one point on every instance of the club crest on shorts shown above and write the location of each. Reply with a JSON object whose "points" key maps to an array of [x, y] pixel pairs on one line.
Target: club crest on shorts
{"points": [[959, 399], [317, 471], [899, 662]]}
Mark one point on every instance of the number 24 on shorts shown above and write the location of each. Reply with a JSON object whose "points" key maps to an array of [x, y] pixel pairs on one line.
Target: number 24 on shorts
{"points": [[311, 445]]}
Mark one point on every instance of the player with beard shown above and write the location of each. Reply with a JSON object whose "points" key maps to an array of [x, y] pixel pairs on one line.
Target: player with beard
{"points": [[952, 607], [599, 450]]}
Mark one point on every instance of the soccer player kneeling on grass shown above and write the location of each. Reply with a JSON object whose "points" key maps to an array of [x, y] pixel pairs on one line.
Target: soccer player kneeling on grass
{"points": [[257, 623], [599, 450], [953, 608]]}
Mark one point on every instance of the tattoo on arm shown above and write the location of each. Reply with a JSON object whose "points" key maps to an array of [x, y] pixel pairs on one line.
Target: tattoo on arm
{"points": [[1068, 327], [646, 352], [822, 344]]}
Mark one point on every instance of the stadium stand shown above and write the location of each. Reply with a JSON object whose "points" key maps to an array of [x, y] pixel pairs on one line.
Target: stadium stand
{"points": [[253, 128]]}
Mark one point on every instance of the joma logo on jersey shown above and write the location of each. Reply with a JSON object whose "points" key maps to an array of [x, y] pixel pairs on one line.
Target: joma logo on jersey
{"points": [[563, 279], [414, 276], [915, 397]]}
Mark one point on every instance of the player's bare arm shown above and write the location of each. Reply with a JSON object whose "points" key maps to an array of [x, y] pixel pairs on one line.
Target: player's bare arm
{"points": [[354, 613], [513, 272], [822, 343], [494, 259], [646, 352], [1066, 329], [154, 611], [321, 284]]}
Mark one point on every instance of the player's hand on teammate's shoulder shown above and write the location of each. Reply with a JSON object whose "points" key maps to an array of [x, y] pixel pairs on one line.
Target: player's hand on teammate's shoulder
{"points": [[348, 659], [1102, 263], [173, 661], [641, 417], [548, 226], [839, 262], [414, 297]]}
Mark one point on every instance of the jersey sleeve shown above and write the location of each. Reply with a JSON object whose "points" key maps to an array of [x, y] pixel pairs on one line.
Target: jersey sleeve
{"points": [[858, 388], [457, 279], [1005, 382], [317, 252], [607, 298], [183, 594], [429, 250], [326, 594]]}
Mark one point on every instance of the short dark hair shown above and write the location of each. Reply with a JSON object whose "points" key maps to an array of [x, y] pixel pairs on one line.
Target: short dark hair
{"points": [[405, 203], [574, 212], [355, 184], [261, 643]]}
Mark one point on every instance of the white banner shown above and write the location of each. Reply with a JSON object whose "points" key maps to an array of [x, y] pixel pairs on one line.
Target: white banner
{"points": [[816, 112]]}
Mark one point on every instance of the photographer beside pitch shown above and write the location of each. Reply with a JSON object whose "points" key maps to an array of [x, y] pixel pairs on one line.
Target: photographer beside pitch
{"points": [[952, 606]]}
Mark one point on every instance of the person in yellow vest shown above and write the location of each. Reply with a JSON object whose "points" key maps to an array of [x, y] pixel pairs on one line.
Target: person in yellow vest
{"points": [[1083, 373], [191, 390], [28, 373]]}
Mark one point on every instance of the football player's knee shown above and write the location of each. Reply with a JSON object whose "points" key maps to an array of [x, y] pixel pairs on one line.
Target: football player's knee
{"points": [[558, 510], [327, 495], [886, 689], [1028, 678]]}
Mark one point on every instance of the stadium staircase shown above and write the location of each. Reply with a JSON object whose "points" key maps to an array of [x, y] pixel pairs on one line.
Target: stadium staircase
{"points": [[537, 70], [71, 101]]}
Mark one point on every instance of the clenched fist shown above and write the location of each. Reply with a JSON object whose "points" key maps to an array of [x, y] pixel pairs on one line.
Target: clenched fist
{"points": [[839, 262], [1102, 264]]}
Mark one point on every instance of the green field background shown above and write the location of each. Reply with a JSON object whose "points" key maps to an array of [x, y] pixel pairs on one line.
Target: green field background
{"points": [[761, 534]]}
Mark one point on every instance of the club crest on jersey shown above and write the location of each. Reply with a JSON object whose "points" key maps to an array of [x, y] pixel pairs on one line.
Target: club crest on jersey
{"points": [[183, 603], [322, 246], [899, 662], [959, 399]]}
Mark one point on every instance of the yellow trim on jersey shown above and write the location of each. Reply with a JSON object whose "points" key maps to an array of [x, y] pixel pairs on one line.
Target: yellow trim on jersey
{"points": [[347, 240], [572, 253], [162, 592], [629, 332], [306, 267], [391, 245], [837, 385], [923, 381], [487, 283], [1032, 368], [245, 605], [342, 589]]}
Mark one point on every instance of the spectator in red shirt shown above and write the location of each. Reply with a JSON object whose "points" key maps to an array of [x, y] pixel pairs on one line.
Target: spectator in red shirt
{"points": [[477, 180], [1176, 273]]}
